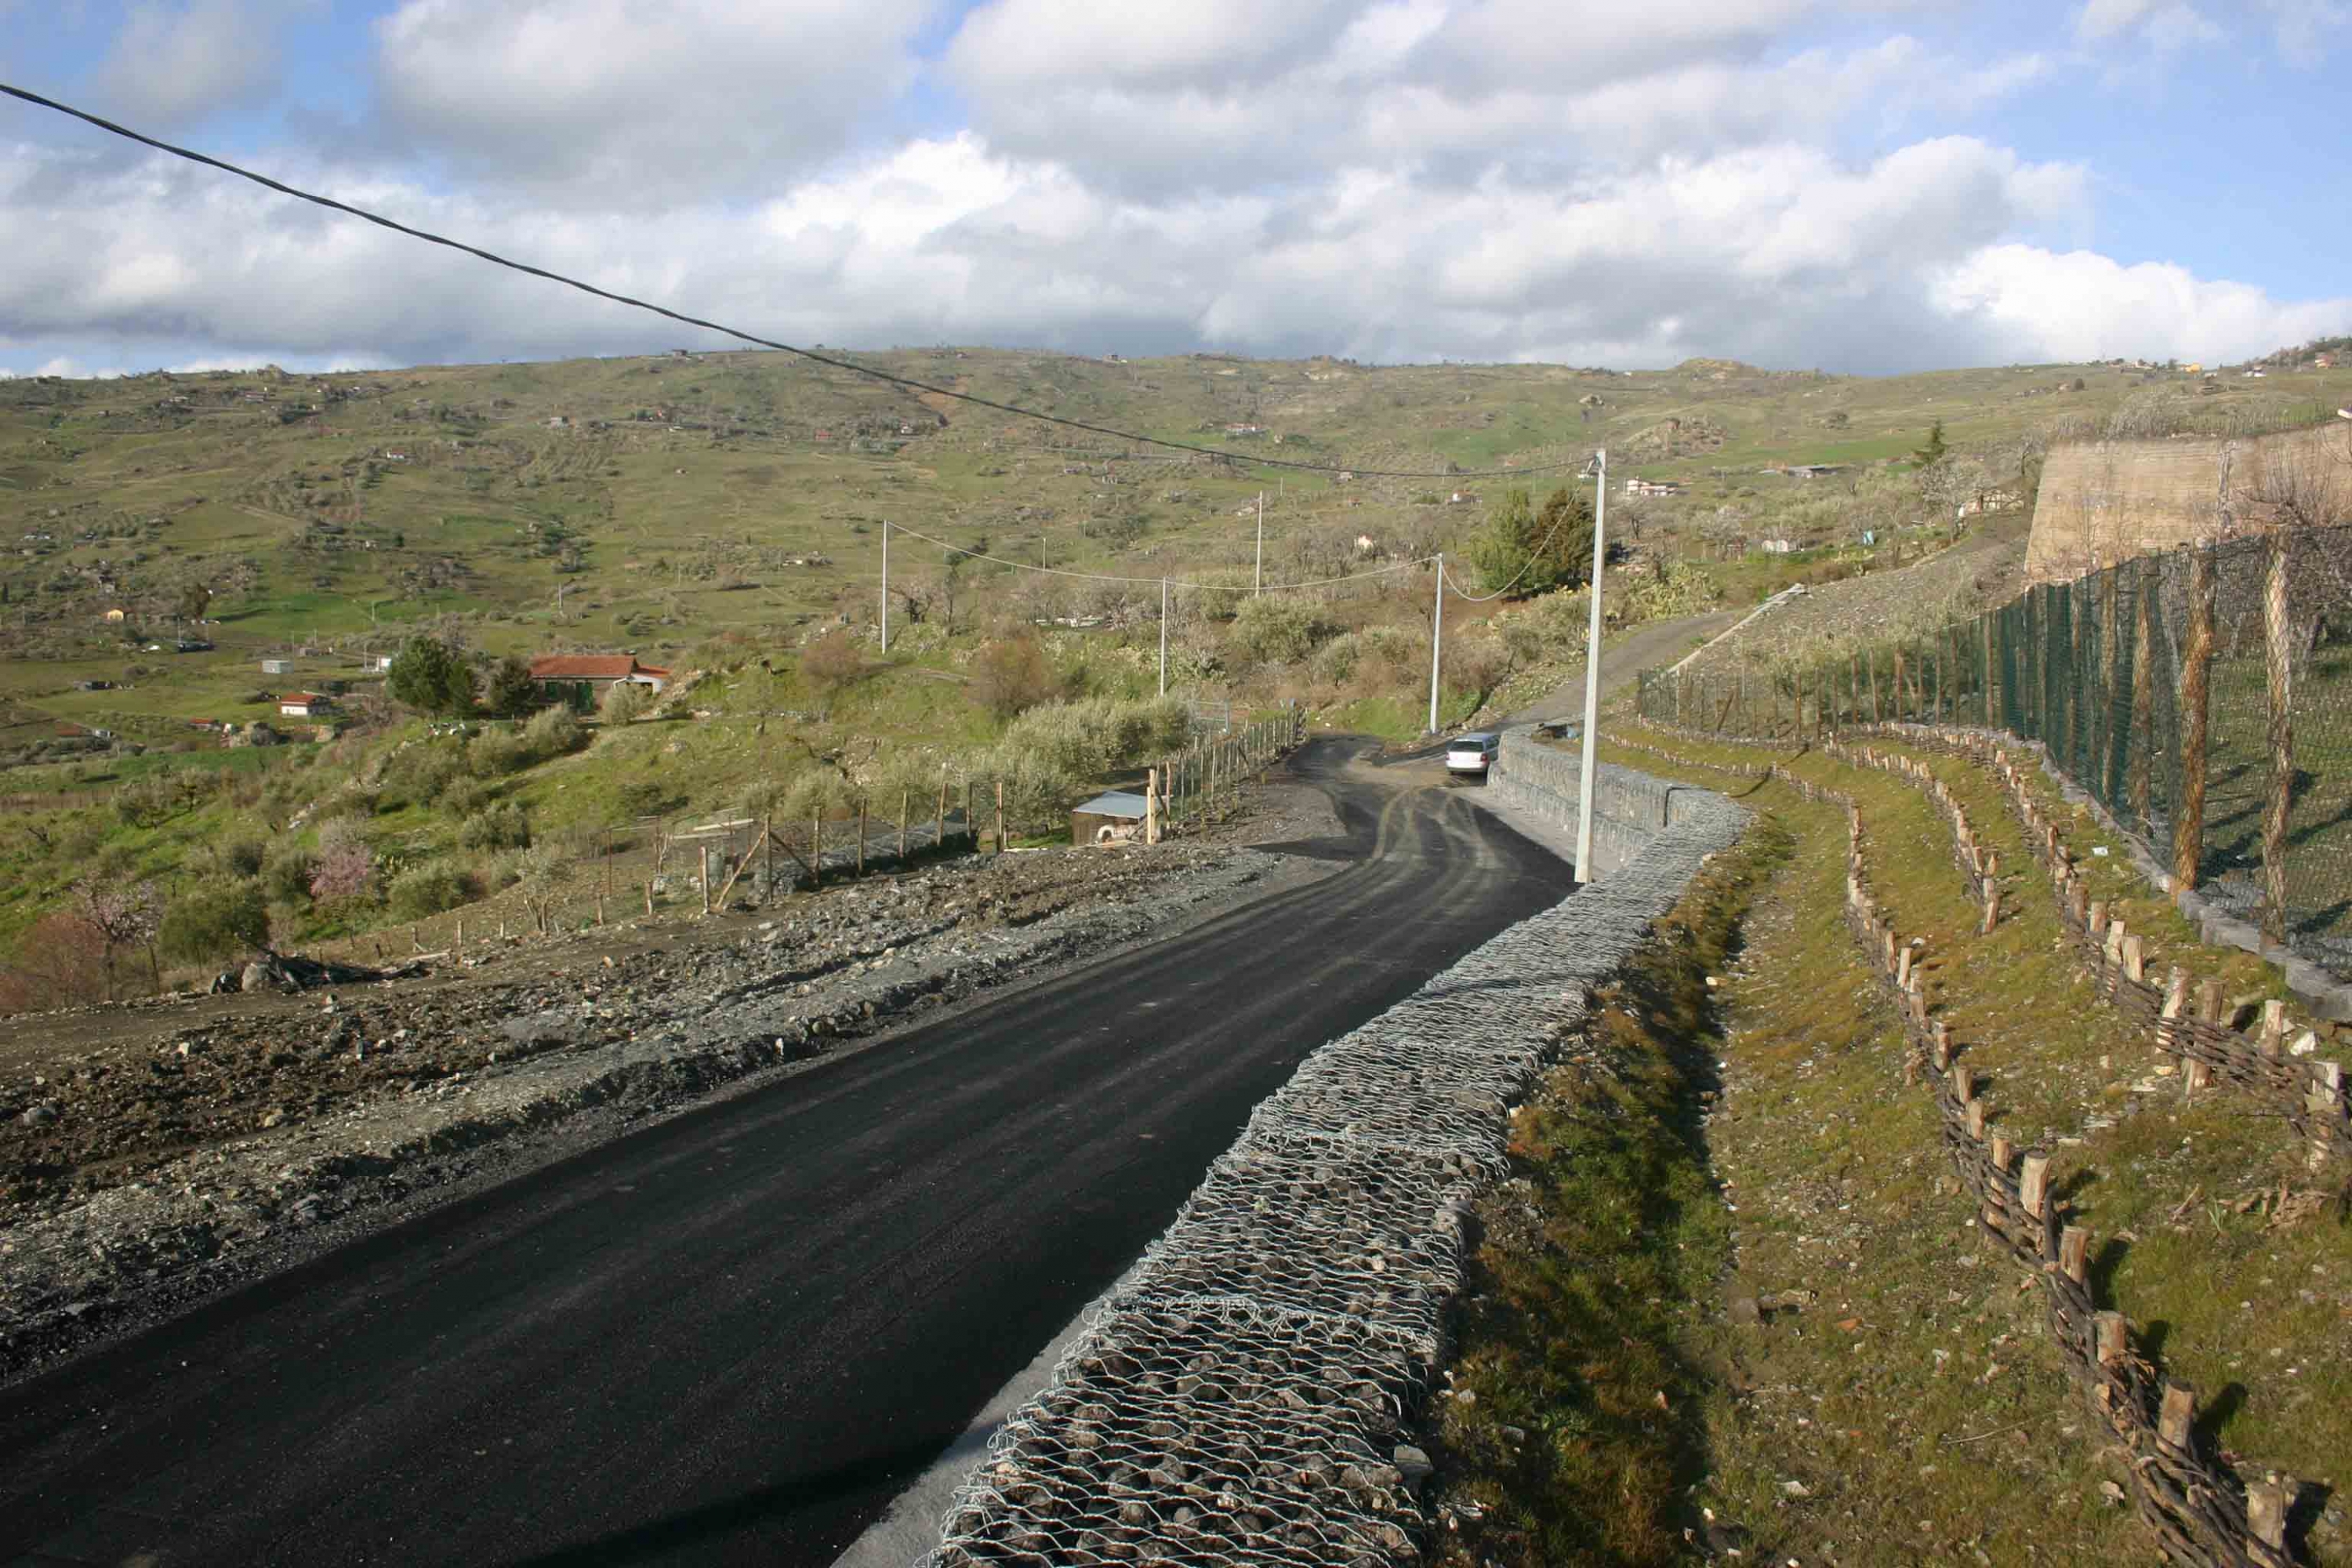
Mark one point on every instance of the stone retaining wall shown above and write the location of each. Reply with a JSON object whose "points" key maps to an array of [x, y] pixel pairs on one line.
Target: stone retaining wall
{"points": [[1248, 1394], [1630, 808]]}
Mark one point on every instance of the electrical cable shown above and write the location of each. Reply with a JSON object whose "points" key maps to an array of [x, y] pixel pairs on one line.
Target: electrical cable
{"points": [[1154, 582], [851, 366]]}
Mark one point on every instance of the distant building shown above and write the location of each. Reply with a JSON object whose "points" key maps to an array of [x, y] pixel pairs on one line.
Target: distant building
{"points": [[1779, 547], [381, 663], [305, 705], [582, 678], [277, 667], [1652, 488]]}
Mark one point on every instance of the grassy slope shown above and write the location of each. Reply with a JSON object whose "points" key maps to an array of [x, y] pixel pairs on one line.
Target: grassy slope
{"points": [[1912, 1394], [729, 484]]}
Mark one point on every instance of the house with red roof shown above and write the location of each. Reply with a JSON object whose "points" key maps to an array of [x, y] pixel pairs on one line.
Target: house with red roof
{"points": [[582, 678]]}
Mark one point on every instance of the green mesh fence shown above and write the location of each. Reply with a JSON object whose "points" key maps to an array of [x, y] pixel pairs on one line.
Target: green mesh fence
{"points": [[2100, 671]]}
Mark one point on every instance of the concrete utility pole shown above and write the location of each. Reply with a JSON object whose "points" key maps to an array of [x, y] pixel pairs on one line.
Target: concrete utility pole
{"points": [[1163, 637], [1592, 672], [1257, 583], [1437, 639], [886, 585]]}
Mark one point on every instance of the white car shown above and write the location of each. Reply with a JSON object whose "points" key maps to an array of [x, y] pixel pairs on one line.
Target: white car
{"points": [[1471, 753]]}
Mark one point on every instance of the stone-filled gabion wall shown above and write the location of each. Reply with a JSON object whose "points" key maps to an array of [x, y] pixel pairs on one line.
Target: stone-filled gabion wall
{"points": [[1244, 1398], [1629, 807]]}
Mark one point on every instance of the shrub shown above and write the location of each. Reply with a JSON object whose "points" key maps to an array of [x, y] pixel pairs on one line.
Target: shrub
{"points": [[286, 874], [61, 962], [431, 677], [344, 868], [623, 702], [1278, 628], [1335, 660], [241, 857], [219, 921], [351, 802], [504, 826], [1012, 676], [419, 776], [496, 753], [428, 889], [511, 693], [554, 732], [832, 663]]}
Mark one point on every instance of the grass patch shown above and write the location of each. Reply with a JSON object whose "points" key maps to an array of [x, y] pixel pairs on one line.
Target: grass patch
{"points": [[1906, 1382], [1581, 1344]]}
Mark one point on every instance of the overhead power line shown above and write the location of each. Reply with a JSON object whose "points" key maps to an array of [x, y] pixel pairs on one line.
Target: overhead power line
{"points": [[908, 383], [968, 554]]}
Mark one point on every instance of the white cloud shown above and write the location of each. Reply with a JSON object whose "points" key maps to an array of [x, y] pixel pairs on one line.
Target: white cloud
{"points": [[175, 63], [2303, 31], [1315, 85], [1779, 254], [2306, 29], [2080, 305], [637, 103]]}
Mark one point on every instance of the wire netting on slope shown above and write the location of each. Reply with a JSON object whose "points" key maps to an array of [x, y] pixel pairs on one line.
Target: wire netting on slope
{"points": [[2208, 687], [1245, 1398]]}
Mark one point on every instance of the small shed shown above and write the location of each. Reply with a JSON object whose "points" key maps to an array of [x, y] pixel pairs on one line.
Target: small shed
{"points": [[1112, 816], [277, 667]]}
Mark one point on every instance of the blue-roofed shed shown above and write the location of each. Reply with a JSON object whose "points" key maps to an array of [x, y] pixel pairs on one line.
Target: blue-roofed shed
{"points": [[1115, 814]]}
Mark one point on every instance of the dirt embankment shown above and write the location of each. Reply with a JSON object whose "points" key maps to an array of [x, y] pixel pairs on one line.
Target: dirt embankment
{"points": [[1945, 588], [155, 1153]]}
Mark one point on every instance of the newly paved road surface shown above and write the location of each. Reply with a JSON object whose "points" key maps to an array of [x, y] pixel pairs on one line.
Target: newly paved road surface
{"points": [[730, 1338]]}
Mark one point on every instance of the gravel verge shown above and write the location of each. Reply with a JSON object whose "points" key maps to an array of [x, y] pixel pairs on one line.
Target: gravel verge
{"points": [[323, 1117]]}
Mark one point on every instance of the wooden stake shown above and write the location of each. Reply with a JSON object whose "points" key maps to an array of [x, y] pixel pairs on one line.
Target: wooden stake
{"points": [[706, 880], [2033, 1185], [2278, 643], [2196, 678], [1000, 817], [2176, 1415], [2074, 1254], [2114, 1338], [2142, 768], [906, 804]]}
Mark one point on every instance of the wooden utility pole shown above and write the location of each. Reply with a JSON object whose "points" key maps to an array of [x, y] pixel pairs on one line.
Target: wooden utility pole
{"points": [[2196, 675], [2142, 765], [2278, 648]]}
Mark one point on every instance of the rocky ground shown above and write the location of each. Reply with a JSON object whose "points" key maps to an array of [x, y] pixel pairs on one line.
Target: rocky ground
{"points": [[1945, 588], [156, 1153]]}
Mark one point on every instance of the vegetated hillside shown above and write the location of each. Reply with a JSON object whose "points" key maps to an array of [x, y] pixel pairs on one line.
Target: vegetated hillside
{"points": [[647, 503], [718, 513]]}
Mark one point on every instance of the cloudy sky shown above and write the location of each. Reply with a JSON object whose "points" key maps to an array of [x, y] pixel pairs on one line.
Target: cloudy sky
{"points": [[1865, 185]]}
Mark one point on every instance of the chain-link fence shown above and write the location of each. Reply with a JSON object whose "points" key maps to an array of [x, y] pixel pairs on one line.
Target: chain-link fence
{"points": [[2203, 697]]}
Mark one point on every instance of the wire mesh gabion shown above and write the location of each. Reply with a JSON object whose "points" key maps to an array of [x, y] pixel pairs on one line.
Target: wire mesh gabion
{"points": [[1241, 1399], [1214, 1432], [1334, 1232]]}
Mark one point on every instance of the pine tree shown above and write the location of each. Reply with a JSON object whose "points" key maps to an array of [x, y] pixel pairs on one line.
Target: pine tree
{"points": [[1928, 455]]}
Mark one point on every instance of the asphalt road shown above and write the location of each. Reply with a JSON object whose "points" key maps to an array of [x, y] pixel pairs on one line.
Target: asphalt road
{"points": [[732, 1337]]}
